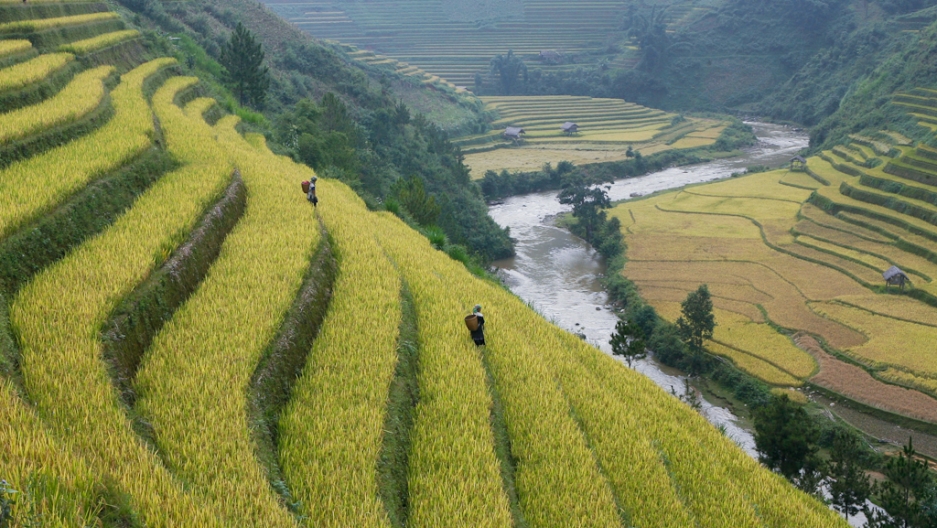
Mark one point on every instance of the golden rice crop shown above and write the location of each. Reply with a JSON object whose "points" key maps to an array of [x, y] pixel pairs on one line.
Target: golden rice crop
{"points": [[643, 246], [877, 263], [197, 107], [800, 179], [921, 383], [894, 306], [650, 219], [820, 217], [454, 475], [12, 46], [884, 253], [557, 480], [58, 316], [331, 432], [763, 342], [734, 332], [881, 226], [758, 208], [32, 456], [101, 41], [258, 141], [891, 341], [663, 293], [38, 24], [82, 95], [37, 69], [686, 439], [833, 194], [31, 186], [862, 273], [633, 462], [788, 306], [221, 332]]}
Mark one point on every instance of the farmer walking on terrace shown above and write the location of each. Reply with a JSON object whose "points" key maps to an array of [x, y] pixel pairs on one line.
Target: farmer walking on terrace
{"points": [[476, 325], [311, 195]]}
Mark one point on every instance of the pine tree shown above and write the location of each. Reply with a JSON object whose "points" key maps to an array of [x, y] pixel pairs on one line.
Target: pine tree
{"points": [[628, 341], [849, 484], [696, 324], [908, 495], [242, 57], [786, 440]]}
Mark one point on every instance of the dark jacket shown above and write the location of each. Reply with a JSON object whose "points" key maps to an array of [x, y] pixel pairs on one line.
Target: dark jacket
{"points": [[479, 335]]}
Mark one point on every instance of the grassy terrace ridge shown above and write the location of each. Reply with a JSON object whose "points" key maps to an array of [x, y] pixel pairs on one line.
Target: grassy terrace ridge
{"points": [[82, 95], [92, 44], [201, 343], [32, 186], [25, 73], [104, 437], [26, 26]]}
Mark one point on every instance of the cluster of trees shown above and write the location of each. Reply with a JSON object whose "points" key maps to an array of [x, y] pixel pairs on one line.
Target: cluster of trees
{"points": [[788, 442]]}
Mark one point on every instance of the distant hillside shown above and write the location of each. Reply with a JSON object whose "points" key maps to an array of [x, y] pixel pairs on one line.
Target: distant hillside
{"points": [[793, 60]]}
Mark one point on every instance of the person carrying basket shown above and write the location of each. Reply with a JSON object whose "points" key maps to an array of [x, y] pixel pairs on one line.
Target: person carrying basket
{"points": [[309, 187], [476, 325]]}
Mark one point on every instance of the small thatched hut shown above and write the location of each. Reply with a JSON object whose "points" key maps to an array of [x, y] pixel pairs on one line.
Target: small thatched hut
{"points": [[569, 128], [514, 133], [798, 164], [895, 277]]}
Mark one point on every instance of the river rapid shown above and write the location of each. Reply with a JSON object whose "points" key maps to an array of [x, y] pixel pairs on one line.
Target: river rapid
{"points": [[559, 274]]}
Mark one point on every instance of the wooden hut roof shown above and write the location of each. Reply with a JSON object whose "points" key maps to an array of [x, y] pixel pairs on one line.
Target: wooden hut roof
{"points": [[569, 125], [892, 272], [799, 159], [513, 131]]}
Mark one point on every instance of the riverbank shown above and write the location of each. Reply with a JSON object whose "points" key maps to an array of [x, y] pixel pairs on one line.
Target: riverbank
{"points": [[561, 276]]}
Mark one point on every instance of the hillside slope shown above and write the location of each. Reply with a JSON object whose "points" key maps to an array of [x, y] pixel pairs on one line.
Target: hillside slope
{"points": [[172, 310]]}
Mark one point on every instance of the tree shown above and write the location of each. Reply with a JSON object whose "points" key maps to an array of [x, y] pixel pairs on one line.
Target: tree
{"points": [[588, 202], [508, 68], [628, 341], [696, 324], [849, 485], [242, 57], [412, 196], [908, 495], [786, 440]]}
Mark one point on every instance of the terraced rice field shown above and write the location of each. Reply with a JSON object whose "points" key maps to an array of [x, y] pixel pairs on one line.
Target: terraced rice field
{"points": [[607, 127], [151, 342], [806, 251], [456, 40]]}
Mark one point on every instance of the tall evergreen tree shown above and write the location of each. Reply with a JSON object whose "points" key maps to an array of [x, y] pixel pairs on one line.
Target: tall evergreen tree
{"points": [[786, 440], [628, 341], [508, 67], [696, 324], [908, 495], [242, 57], [849, 484]]}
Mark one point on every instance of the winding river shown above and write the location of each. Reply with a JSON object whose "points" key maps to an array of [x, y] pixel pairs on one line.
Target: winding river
{"points": [[559, 274]]}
